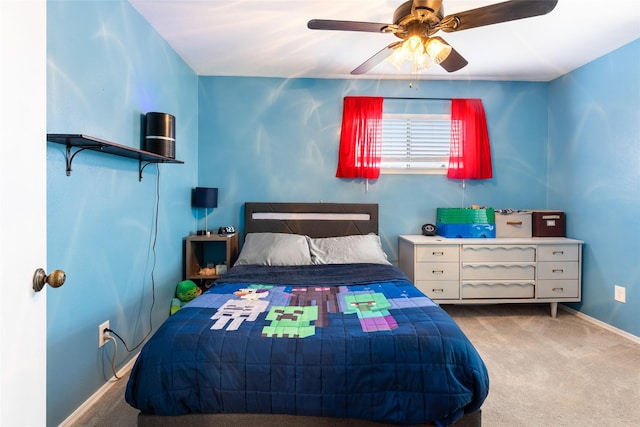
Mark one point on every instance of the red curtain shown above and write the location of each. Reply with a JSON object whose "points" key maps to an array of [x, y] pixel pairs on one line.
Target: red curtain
{"points": [[360, 138], [470, 155]]}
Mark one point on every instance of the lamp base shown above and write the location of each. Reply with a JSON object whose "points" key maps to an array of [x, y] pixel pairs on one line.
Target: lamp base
{"points": [[203, 233]]}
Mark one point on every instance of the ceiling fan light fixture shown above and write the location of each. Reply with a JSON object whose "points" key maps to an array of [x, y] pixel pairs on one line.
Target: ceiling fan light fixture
{"points": [[409, 50], [437, 49], [397, 58], [420, 63], [413, 49], [413, 46], [415, 21]]}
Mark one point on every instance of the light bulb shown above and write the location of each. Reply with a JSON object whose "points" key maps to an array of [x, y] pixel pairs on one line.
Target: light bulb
{"points": [[438, 49], [397, 58], [421, 63], [413, 45]]}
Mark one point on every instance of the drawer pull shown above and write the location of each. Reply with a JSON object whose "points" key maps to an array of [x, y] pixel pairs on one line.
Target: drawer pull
{"points": [[514, 222], [558, 270], [438, 290], [437, 253], [558, 289], [437, 271], [558, 252]]}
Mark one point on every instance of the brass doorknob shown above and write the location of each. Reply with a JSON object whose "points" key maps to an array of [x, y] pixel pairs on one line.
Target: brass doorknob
{"points": [[55, 279]]}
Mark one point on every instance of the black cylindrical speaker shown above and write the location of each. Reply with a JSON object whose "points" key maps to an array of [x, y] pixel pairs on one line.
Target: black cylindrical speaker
{"points": [[160, 134]]}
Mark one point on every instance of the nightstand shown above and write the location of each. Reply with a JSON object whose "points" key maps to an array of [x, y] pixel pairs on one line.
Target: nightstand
{"points": [[202, 251]]}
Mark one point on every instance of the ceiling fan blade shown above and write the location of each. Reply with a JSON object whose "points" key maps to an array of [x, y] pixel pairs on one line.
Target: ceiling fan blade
{"points": [[454, 61], [496, 13], [376, 59], [329, 24]]}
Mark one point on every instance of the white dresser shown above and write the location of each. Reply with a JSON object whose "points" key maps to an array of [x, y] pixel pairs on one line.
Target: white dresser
{"points": [[496, 270]]}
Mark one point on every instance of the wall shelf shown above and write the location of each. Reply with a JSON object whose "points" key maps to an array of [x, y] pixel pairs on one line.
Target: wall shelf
{"points": [[84, 142]]}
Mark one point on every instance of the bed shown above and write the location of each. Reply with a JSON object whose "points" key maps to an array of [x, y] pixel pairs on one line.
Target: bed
{"points": [[311, 326]]}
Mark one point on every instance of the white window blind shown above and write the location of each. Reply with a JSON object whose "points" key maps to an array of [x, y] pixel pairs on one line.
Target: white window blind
{"points": [[415, 143]]}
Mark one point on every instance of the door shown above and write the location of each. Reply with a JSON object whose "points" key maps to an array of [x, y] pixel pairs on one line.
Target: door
{"points": [[22, 212]]}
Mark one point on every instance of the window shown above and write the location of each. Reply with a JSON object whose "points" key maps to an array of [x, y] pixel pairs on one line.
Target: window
{"points": [[403, 135], [415, 143], [416, 140]]}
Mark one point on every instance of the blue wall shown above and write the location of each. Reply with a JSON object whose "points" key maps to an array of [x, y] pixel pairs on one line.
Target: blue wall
{"points": [[594, 175], [267, 139], [571, 144], [106, 69]]}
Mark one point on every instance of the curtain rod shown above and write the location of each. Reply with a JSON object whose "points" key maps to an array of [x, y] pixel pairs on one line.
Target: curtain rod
{"points": [[418, 99], [404, 98]]}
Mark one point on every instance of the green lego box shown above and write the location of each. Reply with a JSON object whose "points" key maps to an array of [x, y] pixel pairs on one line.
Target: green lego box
{"points": [[465, 216]]}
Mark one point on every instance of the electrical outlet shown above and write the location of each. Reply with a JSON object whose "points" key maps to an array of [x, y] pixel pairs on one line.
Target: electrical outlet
{"points": [[620, 293], [102, 333]]}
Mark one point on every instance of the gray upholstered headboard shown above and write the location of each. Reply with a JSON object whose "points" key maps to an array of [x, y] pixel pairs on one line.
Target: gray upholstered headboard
{"points": [[311, 219]]}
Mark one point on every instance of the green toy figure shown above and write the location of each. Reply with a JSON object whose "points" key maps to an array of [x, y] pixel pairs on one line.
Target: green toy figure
{"points": [[186, 291]]}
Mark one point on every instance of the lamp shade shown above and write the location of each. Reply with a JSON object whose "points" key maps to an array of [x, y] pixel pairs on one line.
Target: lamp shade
{"points": [[204, 197]]}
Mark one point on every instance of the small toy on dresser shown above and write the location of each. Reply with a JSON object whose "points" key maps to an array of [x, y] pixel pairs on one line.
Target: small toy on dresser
{"points": [[186, 291]]}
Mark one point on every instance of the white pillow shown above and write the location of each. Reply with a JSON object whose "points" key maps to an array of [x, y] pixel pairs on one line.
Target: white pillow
{"points": [[274, 249], [348, 250]]}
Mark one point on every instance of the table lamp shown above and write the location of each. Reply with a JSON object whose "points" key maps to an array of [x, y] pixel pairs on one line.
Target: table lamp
{"points": [[204, 197]]}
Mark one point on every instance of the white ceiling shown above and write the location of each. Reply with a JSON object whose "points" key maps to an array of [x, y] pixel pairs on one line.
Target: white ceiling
{"points": [[270, 38]]}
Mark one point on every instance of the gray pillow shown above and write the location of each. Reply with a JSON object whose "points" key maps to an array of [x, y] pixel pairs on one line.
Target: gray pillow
{"points": [[274, 249], [348, 250]]}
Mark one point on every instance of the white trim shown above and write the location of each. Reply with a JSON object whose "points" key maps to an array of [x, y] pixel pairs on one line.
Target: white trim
{"points": [[321, 216], [95, 397], [602, 324], [168, 138]]}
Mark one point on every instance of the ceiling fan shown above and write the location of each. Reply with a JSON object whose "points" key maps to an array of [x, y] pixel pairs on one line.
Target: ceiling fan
{"points": [[415, 22]]}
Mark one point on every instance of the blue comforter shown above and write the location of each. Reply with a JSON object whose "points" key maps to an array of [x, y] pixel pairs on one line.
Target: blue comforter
{"points": [[350, 341]]}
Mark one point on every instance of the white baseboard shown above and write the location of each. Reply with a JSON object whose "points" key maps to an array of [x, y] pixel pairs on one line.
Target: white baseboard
{"points": [[82, 409], [602, 324]]}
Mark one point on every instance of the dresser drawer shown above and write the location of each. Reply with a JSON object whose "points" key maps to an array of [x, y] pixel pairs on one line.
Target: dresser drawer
{"points": [[558, 253], [498, 271], [498, 253], [558, 270], [497, 290], [558, 288], [437, 271], [439, 290], [429, 253]]}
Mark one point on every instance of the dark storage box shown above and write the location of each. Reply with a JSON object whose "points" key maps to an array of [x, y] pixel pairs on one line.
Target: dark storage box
{"points": [[548, 224]]}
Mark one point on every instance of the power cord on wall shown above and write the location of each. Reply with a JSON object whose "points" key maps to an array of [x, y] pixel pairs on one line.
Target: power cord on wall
{"points": [[129, 350], [115, 350], [153, 288]]}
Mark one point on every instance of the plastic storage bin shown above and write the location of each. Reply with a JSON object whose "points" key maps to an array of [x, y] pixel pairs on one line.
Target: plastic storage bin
{"points": [[465, 216], [465, 230]]}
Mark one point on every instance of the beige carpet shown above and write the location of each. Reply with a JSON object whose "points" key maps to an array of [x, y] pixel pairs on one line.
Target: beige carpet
{"points": [[552, 372], [544, 371]]}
